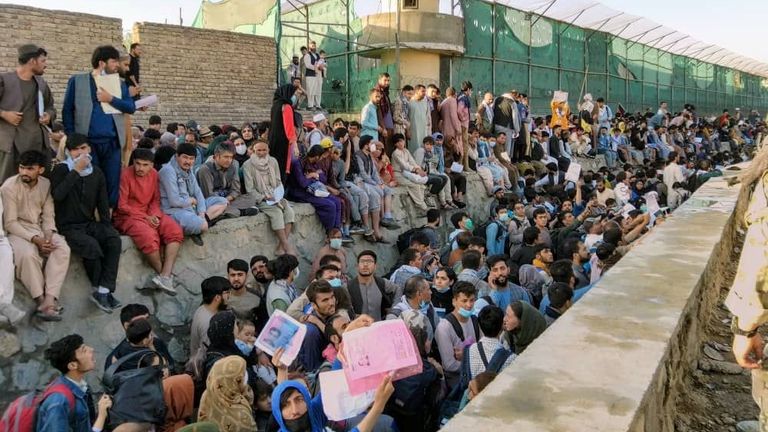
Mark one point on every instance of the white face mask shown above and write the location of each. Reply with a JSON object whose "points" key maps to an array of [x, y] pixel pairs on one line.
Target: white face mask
{"points": [[240, 149], [372, 147]]}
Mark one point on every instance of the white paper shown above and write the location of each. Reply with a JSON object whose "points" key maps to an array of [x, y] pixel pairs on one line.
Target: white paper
{"points": [[277, 195], [698, 140], [150, 100], [457, 167], [573, 172], [505, 156], [560, 96], [40, 104], [626, 209], [110, 83], [652, 203], [282, 331], [338, 402]]}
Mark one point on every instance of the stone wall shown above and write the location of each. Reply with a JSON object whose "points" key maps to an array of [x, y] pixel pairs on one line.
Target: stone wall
{"points": [[210, 76], [616, 360], [22, 366], [68, 37]]}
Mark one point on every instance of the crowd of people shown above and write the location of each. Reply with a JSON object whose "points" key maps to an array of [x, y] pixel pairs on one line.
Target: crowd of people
{"points": [[473, 300]]}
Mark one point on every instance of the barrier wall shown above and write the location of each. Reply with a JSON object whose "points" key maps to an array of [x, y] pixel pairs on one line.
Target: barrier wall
{"points": [[22, 365], [615, 361]]}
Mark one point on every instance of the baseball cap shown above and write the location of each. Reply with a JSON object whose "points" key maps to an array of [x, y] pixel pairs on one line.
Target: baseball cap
{"points": [[437, 136]]}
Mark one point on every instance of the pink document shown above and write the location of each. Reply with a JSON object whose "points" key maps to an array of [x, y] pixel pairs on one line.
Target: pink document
{"points": [[372, 352]]}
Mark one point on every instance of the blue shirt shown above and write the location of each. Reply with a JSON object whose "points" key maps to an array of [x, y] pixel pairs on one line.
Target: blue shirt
{"points": [[495, 240], [577, 294], [54, 413], [512, 293], [102, 125]]}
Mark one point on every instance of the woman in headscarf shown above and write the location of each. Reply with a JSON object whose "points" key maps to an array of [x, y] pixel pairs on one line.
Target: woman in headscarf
{"points": [[228, 399], [284, 133], [533, 281], [261, 178], [522, 324], [305, 171], [221, 336]]}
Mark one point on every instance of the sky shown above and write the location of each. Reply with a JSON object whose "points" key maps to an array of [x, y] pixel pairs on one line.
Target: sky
{"points": [[741, 29]]}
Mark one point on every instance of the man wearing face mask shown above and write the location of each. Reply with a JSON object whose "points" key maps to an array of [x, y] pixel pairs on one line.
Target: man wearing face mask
{"points": [[83, 113], [332, 247], [416, 296], [459, 329], [220, 177], [301, 308], [496, 232]]}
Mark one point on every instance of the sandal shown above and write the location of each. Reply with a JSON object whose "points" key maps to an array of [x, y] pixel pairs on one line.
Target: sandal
{"points": [[48, 313], [371, 238]]}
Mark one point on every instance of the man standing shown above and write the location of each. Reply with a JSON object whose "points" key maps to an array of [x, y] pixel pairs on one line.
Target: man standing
{"points": [[241, 301], [400, 112], [293, 71], [503, 292], [138, 215], [386, 122], [215, 292], [370, 294], [83, 113], [181, 197], [506, 118], [133, 70], [463, 111], [79, 191], [314, 77], [220, 178], [323, 300], [419, 117], [22, 116], [40, 254], [369, 117]]}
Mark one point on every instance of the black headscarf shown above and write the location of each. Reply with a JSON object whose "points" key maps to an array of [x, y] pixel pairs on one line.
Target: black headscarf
{"points": [[221, 334], [278, 141]]}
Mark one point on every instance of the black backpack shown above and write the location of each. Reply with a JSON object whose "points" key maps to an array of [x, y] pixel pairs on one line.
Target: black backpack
{"points": [[481, 229], [404, 239], [537, 151]]}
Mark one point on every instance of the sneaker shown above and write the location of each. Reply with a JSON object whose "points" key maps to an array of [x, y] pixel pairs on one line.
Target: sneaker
{"points": [[389, 223], [101, 301], [356, 230], [368, 232], [12, 313], [347, 240], [459, 204], [196, 239], [165, 283], [114, 303], [250, 211]]}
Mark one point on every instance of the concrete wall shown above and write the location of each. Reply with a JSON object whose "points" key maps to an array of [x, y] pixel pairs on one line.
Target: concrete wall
{"points": [[615, 361], [22, 366], [207, 75]]}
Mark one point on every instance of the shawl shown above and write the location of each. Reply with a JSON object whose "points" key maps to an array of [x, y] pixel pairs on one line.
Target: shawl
{"points": [[384, 104], [227, 399], [532, 324], [267, 176]]}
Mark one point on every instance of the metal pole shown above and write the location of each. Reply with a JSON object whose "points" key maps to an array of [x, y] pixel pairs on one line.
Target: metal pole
{"points": [[493, 46], [397, 44], [346, 56], [530, 58], [306, 21]]}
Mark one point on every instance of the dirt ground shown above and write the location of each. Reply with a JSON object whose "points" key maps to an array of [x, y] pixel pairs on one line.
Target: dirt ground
{"points": [[715, 401]]}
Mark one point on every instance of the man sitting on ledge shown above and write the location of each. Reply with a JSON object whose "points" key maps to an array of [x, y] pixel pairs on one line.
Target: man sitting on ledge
{"points": [[219, 178], [182, 199]]}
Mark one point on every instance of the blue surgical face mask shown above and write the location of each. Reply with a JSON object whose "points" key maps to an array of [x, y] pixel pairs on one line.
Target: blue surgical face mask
{"points": [[335, 243], [504, 217], [335, 282], [245, 348], [294, 100], [644, 208], [424, 306], [465, 313], [441, 290]]}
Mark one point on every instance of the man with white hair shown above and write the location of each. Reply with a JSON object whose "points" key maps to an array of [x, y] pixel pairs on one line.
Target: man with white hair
{"points": [[318, 133]]}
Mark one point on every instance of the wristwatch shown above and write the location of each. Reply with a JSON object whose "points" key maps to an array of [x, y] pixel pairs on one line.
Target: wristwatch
{"points": [[738, 331]]}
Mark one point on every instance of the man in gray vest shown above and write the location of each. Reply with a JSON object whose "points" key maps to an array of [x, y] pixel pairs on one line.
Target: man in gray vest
{"points": [[83, 113], [26, 107]]}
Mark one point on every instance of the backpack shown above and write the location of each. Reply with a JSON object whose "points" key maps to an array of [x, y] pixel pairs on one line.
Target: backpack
{"points": [[457, 325], [537, 151], [445, 253], [21, 414], [404, 239], [693, 182], [481, 230], [497, 360]]}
